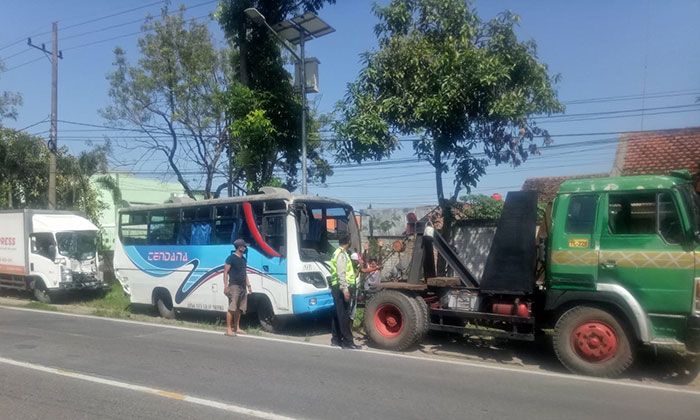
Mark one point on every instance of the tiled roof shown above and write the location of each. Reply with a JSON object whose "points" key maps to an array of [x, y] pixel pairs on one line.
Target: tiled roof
{"points": [[548, 186], [659, 152]]}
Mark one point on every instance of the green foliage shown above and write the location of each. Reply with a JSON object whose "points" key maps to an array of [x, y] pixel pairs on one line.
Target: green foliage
{"points": [[9, 101], [481, 207], [453, 80], [259, 65], [24, 167], [175, 95]]}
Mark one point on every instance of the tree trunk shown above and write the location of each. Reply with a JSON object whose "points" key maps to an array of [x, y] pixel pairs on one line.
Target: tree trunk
{"points": [[445, 208]]}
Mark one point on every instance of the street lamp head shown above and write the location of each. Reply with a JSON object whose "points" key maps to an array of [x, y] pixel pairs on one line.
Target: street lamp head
{"points": [[254, 15]]}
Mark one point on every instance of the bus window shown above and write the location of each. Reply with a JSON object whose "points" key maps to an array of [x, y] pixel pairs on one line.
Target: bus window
{"points": [[133, 228], [196, 226], [162, 227], [226, 224], [273, 232]]}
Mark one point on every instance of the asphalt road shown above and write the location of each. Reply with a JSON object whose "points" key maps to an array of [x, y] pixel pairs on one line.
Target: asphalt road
{"points": [[60, 366]]}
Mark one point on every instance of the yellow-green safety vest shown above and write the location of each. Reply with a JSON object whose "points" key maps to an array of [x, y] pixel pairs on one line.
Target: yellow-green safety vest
{"points": [[350, 275]]}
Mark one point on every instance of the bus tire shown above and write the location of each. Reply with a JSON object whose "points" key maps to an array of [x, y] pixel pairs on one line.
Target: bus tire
{"points": [[164, 304], [393, 320], [40, 292], [592, 341], [269, 322]]}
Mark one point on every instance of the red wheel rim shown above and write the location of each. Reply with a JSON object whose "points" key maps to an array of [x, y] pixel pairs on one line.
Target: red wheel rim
{"points": [[594, 341], [388, 320]]}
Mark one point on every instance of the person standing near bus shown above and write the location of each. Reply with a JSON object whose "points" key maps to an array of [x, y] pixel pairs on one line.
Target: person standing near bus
{"points": [[236, 287], [343, 279]]}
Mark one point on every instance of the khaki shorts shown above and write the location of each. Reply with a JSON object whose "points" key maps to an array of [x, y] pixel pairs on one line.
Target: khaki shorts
{"points": [[237, 298]]}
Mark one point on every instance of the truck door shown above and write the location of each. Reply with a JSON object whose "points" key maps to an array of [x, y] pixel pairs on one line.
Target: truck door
{"points": [[40, 260], [574, 255], [643, 249]]}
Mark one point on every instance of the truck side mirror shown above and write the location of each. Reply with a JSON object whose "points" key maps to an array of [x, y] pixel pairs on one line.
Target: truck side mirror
{"points": [[52, 252]]}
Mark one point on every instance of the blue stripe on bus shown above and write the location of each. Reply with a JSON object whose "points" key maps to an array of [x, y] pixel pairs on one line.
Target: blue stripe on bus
{"points": [[302, 303], [205, 261]]}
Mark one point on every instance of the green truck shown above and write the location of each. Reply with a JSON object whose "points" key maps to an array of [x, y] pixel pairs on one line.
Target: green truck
{"points": [[615, 266]]}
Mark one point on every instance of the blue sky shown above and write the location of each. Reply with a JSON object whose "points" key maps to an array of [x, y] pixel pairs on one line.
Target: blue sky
{"points": [[602, 49]]}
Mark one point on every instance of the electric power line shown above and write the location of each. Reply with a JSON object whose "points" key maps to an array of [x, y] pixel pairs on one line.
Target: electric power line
{"points": [[123, 12], [26, 63]]}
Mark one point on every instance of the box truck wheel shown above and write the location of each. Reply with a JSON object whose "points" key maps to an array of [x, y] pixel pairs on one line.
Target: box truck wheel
{"points": [[164, 303], [393, 320], [592, 341], [40, 292]]}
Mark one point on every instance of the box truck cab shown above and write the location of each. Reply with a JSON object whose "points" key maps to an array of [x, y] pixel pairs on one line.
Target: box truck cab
{"points": [[47, 252]]}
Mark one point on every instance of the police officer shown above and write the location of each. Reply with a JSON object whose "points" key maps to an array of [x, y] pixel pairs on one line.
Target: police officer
{"points": [[343, 279]]}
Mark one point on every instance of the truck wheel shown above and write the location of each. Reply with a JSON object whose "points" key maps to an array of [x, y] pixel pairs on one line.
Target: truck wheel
{"points": [[424, 317], [40, 292], [393, 320], [592, 342], [165, 305], [269, 322]]}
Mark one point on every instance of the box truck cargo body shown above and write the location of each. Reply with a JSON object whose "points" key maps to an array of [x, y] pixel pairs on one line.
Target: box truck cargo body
{"points": [[47, 252]]}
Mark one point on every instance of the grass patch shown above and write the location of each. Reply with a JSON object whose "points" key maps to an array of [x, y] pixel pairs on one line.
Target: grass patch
{"points": [[41, 305], [358, 322], [115, 304]]}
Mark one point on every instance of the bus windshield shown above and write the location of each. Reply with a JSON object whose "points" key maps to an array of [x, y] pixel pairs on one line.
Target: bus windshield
{"points": [[320, 225]]}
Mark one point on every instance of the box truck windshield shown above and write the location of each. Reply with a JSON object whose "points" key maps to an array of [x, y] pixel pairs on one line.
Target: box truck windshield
{"points": [[79, 245]]}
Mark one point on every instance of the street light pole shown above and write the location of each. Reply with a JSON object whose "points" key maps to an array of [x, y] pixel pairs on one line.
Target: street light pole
{"points": [[302, 26], [302, 88]]}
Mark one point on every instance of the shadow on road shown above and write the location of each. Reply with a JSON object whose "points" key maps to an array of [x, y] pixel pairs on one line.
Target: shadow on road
{"points": [[659, 365]]}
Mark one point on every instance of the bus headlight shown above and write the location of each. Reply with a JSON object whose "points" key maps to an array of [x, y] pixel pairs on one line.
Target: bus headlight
{"points": [[313, 278]]}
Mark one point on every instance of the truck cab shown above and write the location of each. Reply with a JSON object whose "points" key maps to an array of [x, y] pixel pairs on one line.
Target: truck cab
{"points": [[49, 252], [624, 263]]}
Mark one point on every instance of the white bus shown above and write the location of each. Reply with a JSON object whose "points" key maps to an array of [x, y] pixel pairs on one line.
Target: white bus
{"points": [[172, 255]]}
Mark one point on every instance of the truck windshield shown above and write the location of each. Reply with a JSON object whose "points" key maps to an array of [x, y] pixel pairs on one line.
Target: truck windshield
{"points": [[692, 200], [79, 245], [319, 226]]}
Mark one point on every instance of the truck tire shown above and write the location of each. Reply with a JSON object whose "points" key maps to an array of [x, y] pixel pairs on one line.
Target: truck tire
{"points": [[164, 304], [592, 341], [424, 317], [269, 322], [393, 320], [40, 292]]}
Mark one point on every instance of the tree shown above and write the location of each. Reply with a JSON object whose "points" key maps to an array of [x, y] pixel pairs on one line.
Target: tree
{"points": [[454, 81], [9, 101], [260, 67], [175, 98], [24, 165]]}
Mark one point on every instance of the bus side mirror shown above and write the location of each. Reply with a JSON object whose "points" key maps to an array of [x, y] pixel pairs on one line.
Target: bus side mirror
{"points": [[52, 252]]}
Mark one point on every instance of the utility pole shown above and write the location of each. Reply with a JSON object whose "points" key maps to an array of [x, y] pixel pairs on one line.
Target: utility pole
{"points": [[53, 135], [302, 88]]}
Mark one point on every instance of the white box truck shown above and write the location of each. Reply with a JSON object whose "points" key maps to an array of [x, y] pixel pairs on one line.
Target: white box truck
{"points": [[48, 252]]}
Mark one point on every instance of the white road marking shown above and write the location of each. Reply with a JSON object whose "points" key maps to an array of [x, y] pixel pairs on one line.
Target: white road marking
{"points": [[148, 390], [625, 383]]}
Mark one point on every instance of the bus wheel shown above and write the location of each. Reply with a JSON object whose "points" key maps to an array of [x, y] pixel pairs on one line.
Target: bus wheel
{"points": [[393, 320], [592, 342], [164, 304], [40, 292], [267, 319]]}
